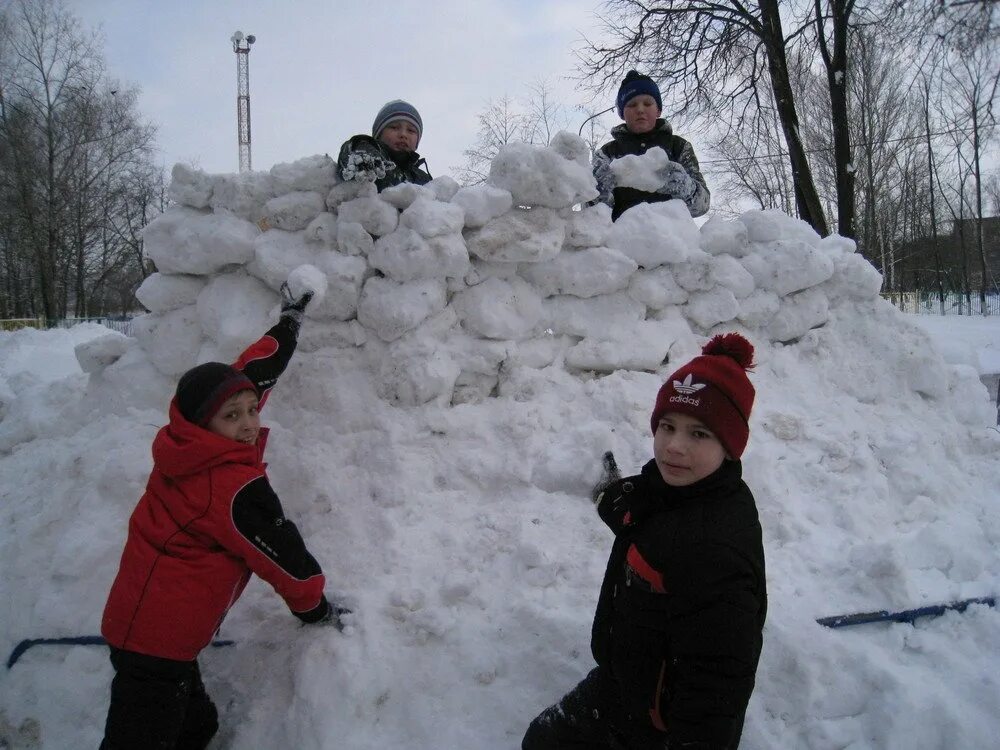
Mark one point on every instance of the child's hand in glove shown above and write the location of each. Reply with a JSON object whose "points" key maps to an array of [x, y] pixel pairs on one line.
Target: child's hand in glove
{"points": [[292, 308], [677, 183], [364, 165]]}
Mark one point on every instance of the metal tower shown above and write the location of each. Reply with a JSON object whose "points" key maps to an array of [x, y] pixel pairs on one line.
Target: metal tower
{"points": [[241, 46]]}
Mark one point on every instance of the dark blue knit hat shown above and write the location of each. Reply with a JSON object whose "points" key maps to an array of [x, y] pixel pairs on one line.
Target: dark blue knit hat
{"points": [[395, 110], [635, 84]]}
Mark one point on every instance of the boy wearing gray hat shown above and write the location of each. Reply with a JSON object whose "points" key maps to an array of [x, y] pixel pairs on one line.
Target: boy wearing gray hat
{"points": [[389, 155]]}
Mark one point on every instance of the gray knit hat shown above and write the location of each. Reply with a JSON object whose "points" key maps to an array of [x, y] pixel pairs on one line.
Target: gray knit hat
{"points": [[395, 110]]}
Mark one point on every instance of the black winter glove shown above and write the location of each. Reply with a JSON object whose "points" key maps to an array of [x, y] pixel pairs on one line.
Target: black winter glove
{"points": [[366, 164], [292, 308], [334, 615], [677, 183], [609, 475]]}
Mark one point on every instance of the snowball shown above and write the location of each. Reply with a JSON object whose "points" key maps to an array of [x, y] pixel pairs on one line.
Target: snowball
{"points": [[431, 218], [306, 278], [499, 309], [161, 292], [643, 345], [541, 176], [695, 274], [344, 277], [571, 146], [234, 311], [797, 314], [404, 255], [641, 171], [444, 188], [390, 309], [293, 211], [656, 288], [311, 173], [706, 309], [374, 214], [276, 253], [836, 245], [96, 354], [171, 340], [589, 227], [352, 239], [481, 203], [402, 195], [718, 236], [583, 273], [242, 194], [784, 267], [601, 316], [190, 187], [652, 234], [323, 230], [854, 277], [521, 235], [183, 240]]}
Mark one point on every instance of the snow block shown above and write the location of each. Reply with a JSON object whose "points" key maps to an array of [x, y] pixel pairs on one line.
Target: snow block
{"points": [[656, 288], [482, 203], [234, 310], [190, 187], [541, 176], [161, 292], [498, 309], [293, 211], [582, 273], [390, 308], [310, 174], [431, 218], [522, 235], [184, 240], [374, 214], [652, 234]]}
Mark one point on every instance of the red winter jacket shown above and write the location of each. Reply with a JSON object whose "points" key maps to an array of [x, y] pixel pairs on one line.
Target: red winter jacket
{"points": [[207, 521]]}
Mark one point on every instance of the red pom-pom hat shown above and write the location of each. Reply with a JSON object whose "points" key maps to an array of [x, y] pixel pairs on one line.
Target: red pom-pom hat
{"points": [[715, 389]]}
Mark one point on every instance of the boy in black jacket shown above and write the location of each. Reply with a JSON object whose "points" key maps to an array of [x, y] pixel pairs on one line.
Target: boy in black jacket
{"points": [[640, 106], [389, 155], [678, 629]]}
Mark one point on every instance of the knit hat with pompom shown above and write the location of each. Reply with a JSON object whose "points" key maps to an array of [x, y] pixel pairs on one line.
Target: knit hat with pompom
{"points": [[715, 389]]}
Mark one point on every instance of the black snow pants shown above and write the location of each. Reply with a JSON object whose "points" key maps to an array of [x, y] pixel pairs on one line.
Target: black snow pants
{"points": [[590, 717], [157, 703]]}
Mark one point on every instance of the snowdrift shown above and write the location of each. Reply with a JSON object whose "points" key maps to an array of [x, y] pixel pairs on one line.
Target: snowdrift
{"points": [[472, 354]]}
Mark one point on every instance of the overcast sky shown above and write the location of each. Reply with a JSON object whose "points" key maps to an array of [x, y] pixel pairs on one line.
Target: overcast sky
{"points": [[320, 70]]}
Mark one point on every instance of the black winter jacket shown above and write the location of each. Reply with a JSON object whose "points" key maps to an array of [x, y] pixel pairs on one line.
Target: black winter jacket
{"points": [[409, 165], [628, 143], [682, 606]]}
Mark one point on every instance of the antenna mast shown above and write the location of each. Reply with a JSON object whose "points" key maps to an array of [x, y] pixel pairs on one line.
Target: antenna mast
{"points": [[241, 46]]}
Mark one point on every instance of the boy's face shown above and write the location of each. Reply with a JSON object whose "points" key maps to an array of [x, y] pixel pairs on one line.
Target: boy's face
{"points": [[400, 135], [237, 418], [640, 113], [685, 450]]}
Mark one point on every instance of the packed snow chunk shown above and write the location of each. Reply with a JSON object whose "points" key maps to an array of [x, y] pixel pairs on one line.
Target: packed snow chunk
{"points": [[784, 267], [337, 334], [523, 235], [190, 187], [731, 274], [854, 277], [349, 190], [352, 239], [431, 218], [307, 278], [444, 188], [390, 308], [479, 363], [482, 203], [323, 230], [771, 225], [96, 354], [276, 253], [311, 173], [969, 398], [293, 211], [797, 314], [161, 292], [601, 317], [171, 340], [757, 309], [234, 310], [641, 171], [541, 176], [374, 214], [402, 195], [414, 372], [582, 273], [344, 277], [836, 245], [721, 237], [404, 255], [242, 194], [925, 370], [695, 274], [571, 146], [643, 345], [656, 288], [709, 308], [589, 227], [498, 309], [652, 234], [185, 240]]}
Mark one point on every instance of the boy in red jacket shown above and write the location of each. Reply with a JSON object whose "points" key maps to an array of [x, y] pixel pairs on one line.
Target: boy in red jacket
{"points": [[207, 521]]}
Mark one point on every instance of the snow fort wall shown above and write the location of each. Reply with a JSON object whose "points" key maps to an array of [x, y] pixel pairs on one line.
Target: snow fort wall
{"points": [[447, 291]]}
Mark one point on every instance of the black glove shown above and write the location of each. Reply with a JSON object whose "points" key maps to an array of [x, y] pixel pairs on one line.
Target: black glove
{"points": [[292, 308], [366, 164], [609, 475], [677, 183], [334, 615]]}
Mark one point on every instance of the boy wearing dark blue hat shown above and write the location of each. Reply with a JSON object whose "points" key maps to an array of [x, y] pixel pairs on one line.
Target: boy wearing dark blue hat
{"points": [[640, 105], [389, 155]]}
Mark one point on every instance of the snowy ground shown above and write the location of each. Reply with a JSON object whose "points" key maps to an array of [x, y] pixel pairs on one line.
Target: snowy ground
{"points": [[464, 538]]}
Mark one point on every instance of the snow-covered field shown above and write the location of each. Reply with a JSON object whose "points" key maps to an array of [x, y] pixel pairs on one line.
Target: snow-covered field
{"points": [[463, 534]]}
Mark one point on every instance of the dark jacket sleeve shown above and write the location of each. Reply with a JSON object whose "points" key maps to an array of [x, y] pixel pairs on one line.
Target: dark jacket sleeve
{"points": [[700, 200], [265, 359], [257, 532]]}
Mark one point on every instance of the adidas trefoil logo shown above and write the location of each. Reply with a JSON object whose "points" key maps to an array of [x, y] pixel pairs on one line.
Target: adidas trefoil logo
{"points": [[687, 386]]}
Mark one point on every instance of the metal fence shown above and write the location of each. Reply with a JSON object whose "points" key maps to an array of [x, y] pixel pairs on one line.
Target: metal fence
{"points": [[928, 303], [115, 323]]}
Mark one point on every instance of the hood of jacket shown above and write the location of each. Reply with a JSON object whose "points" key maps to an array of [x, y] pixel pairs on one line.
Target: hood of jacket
{"points": [[182, 448]]}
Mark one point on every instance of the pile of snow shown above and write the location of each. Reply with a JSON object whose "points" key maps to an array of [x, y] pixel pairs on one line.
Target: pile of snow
{"points": [[473, 353]]}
